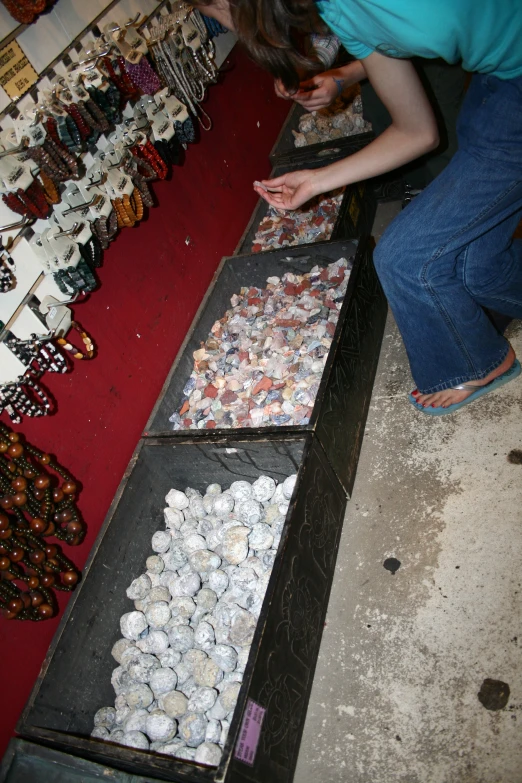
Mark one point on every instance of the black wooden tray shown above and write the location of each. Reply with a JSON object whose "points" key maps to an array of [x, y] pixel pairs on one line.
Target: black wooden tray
{"points": [[341, 406], [75, 678], [284, 147], [28, 762], [356, 214]]}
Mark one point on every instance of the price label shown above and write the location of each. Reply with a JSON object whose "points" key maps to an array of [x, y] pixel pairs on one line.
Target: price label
{"points": [[17, 75]]}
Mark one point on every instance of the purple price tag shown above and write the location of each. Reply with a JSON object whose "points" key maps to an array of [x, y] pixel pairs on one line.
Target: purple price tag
{"points": [[248, 741]]}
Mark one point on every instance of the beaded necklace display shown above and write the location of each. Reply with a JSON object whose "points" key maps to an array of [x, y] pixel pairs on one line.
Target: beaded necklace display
{"points": [[34, 505], [7, 268]]}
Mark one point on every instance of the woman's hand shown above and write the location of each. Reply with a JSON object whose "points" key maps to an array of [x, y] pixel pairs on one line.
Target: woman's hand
{"points": [[319, 91], [289, 191]]}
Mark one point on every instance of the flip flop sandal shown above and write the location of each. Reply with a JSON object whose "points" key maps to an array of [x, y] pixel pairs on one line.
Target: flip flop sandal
{"points": [[513, 372]]}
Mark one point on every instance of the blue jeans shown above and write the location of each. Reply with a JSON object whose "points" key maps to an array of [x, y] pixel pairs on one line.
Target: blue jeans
{"points": [[450, 253]]}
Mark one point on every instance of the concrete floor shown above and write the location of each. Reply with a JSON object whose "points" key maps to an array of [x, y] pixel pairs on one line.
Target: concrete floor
{"points": [[404, 656]]}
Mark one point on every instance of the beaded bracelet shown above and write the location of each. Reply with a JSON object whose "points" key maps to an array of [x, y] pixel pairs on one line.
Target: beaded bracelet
{"points": [[77, 354]]}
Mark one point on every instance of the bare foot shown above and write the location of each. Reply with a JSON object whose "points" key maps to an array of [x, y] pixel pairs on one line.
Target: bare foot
{"points": [[451, 396]]}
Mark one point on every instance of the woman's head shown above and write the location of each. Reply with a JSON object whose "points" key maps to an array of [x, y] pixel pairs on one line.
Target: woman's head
{"points": [[273, 32]]}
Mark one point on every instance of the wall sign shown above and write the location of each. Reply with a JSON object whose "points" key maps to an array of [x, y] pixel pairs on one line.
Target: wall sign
{"points": [[17, 75]]}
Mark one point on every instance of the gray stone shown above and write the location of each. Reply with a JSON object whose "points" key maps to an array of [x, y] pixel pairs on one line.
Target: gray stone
{"points": [[137, 721], [213, 732], [157, 614], [207, 673], [119, 648], [135, 739], [193, 543], [181, 638], [141, 668], [218, 582], [161, 541], [162, 681], [139, 587], [235, 544], [176, 499], [106, 717], [182, 606], [250, 512], [192, 728], [100, 732], [175, 558], [174, 704], [170, 658], [261, 537], [160, 727], [202, 700], [263, 488], [139, 696], [224, 656], [242, 628], [208, 753], [223, 505], [204, 637], [204, 562], [132, 625]]}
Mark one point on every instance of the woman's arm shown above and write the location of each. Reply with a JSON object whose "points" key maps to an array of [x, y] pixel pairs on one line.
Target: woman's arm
{"points": [[413, 132]]}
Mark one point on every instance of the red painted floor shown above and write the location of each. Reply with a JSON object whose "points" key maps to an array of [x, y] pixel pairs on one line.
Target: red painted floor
{"points": [[152, 281]]}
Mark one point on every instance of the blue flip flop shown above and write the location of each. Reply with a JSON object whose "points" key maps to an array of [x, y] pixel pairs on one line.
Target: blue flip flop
{"points": [[513, 372]]}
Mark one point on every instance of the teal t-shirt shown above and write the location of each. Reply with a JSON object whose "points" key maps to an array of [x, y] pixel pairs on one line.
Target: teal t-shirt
{"points": [[485, 35]]}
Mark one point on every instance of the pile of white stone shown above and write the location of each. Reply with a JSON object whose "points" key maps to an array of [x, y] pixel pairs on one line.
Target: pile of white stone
{"points": [[185, 646]]}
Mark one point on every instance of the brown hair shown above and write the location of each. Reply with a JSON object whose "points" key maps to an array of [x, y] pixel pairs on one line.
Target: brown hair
{"points": [[273, 32]]}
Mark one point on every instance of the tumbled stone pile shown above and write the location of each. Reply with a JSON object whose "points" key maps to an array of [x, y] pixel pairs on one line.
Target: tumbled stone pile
{"points": [[342, 118], [185, 645], [263, 361], [302, 226]]}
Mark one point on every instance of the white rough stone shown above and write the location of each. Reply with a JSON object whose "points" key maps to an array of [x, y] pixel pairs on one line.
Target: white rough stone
{"points": [[137, 721], [160, 726], [204, 637], [169, 658], [192, 728], [173, 518], [156, 642], [174, 704], [250, 512], [202, 700], [224, 656], [261, 537], [242, 628], [213, 489], [213, 732], [175, 558], [161, 541], [120, 680], [186, 585], [132, 625], [155, 564], [181, 638], [162, 681], [100, 732], [235, 544], [288, 486], [131, 654], [139, 696], [218, 581], [204, 562], [139, 587], [263, 488], [141, 668], [106, 717], [177, 499], [223, 505], [193, 543], [119, 648], [186, 754], [208, 753], [135, 739], [207, 673], [157, 614]]}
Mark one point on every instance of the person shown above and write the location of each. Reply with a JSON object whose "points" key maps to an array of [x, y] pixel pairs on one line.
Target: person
{"points": [[445, 86], [450, 254]]}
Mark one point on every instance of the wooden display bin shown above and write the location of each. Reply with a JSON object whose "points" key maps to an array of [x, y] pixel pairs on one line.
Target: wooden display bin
{"points": [[285, 149], [341, 406], [356, 213], [75, 680]]}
